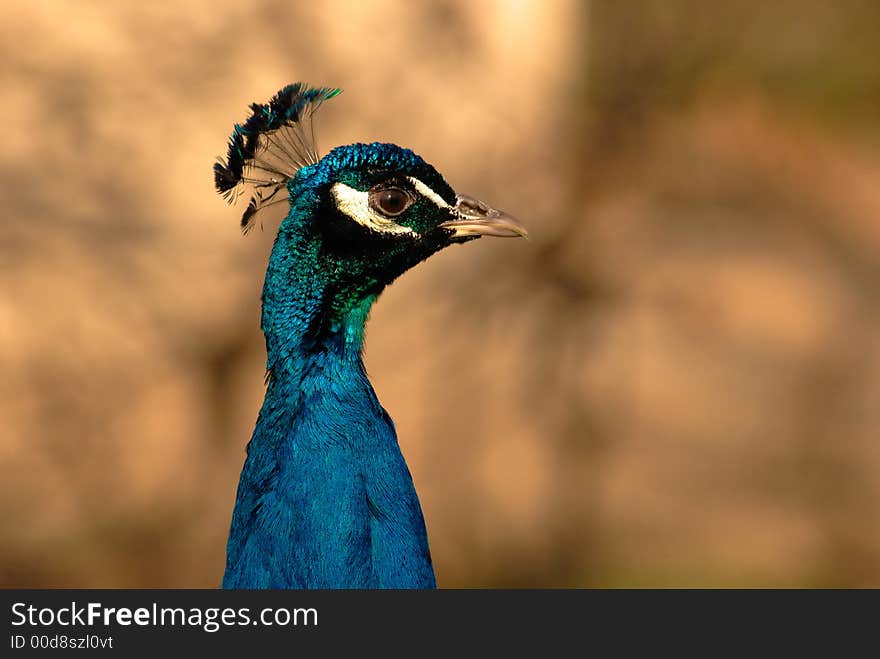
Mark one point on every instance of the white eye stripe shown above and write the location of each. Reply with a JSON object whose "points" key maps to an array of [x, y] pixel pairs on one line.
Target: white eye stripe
{"points": [[356, 205], [427, 192]]}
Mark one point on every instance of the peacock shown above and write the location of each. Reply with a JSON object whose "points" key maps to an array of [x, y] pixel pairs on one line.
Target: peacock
{"points": [[325, 498]]}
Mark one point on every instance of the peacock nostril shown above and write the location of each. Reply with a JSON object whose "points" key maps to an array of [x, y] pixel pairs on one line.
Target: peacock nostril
{"points": [[469, 207]]}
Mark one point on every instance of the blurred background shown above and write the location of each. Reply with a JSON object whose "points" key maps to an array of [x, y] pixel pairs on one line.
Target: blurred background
{"points": [[676, 382]]}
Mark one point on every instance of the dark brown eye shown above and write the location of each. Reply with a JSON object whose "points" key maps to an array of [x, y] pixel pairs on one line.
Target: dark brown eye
{"points": [[390, 201]]}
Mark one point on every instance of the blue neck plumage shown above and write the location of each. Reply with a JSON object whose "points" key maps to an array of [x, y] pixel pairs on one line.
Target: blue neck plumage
{"points": [[309, 339]]}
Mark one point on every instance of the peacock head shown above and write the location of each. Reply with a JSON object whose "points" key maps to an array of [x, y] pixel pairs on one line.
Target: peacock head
{"points": [[364, 213]]}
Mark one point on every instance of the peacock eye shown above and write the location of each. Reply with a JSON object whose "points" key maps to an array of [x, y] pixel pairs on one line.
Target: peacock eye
{"points": [[390, 201]]}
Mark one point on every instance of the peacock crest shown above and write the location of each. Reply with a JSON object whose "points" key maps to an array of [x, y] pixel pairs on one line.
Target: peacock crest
{"points": [[268, 149]]}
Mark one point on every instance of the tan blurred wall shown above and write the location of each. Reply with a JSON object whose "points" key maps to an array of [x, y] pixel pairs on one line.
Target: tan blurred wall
{"points": [[675, 382]]}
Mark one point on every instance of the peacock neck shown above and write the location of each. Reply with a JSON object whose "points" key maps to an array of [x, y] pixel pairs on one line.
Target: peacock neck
{"points": [[296, 351], [314, 334]]}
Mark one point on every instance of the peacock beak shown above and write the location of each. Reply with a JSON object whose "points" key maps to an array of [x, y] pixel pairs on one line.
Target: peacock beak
{"points": [[474, 218]]}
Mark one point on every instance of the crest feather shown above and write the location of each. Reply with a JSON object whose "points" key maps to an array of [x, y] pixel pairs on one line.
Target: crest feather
{"points": [[267, 150]]}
